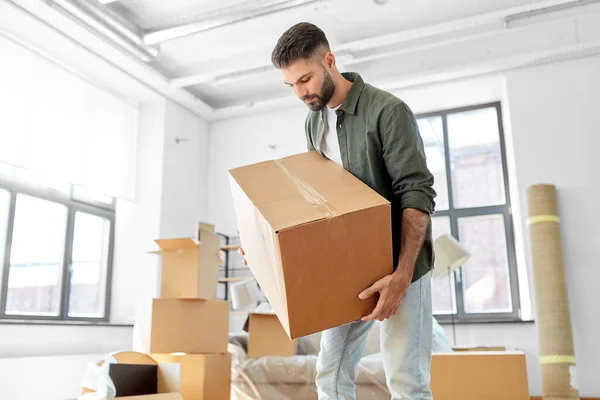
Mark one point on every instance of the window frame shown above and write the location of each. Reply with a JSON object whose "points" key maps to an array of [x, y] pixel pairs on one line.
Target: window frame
{"points": [[460, 316], [15, 186]]}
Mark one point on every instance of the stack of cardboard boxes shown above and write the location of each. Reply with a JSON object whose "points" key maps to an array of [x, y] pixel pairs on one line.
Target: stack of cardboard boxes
{"points": [[187, 325]]}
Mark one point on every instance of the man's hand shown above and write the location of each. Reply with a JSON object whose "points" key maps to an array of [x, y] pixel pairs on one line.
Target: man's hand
{"points": [[392, 289]]}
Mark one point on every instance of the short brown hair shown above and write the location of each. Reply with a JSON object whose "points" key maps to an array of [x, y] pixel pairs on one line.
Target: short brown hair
{"points": [[300, 42]]}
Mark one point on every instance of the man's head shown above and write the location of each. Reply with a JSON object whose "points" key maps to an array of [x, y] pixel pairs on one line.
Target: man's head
{"points": [[303, 55]]}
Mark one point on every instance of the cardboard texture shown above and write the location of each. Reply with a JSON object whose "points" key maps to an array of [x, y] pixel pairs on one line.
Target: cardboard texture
{"points": [[189, 326], [314, 236], [162, 396], [480, 348], [203, 376], [189, 267], [266, 337], [479, 375]]}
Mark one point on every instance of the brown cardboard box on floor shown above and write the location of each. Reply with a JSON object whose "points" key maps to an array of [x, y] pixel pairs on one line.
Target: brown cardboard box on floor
{"points": [[189, 267], [485, 375], [203, 376], [314, 236], [167, 382], [188, 326], [266, 336]]}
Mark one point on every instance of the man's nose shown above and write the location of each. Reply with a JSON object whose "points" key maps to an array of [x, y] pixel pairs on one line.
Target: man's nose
{"points": [[301, 93]]}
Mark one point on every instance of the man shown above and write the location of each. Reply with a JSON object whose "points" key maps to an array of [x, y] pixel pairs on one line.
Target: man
{"points": [[375, 136]]}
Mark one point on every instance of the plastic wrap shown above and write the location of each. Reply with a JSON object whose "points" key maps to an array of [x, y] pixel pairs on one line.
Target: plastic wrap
{"points": [[293, 378]]}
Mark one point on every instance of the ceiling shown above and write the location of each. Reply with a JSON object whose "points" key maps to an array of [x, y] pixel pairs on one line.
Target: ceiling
{"points": [[247, 45], [213, 56]]}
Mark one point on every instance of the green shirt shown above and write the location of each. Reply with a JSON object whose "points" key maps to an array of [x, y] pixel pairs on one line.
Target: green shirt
{"points": [[380, 144]]}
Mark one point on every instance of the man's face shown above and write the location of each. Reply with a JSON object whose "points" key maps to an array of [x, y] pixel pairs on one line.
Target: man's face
{"points": [[311, 82]]}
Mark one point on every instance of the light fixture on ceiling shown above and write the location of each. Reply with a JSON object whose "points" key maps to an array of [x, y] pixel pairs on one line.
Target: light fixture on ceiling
{"points": [[381, 2]]}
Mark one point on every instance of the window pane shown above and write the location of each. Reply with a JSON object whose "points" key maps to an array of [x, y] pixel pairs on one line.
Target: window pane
{"points": [[442, 289], [476, 159], [90, 261], [4, 210], [485, 276], [432, 132], [34, 279]]}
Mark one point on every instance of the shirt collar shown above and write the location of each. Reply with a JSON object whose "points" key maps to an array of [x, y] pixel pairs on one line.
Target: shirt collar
{"points": [[349, 103]]}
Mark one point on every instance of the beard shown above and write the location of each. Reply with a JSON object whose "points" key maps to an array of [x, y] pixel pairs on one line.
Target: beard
{"points": [[325, 94]]}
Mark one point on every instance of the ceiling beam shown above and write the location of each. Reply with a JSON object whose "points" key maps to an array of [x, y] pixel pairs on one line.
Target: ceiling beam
{"points": [[533, 45], [60, 38], [481, 24]]}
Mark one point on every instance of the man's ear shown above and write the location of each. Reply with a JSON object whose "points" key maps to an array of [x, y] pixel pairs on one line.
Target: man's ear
{"points": [[329, 60]]}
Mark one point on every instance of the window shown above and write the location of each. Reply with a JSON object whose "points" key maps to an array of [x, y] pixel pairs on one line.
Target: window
{"points": [[56, 123], [466, 154], [56, 243]]}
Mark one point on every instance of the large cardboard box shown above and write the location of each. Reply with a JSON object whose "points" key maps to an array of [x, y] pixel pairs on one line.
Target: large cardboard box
{"points": [[266, 336], [189, 267], [188, 326], [485, 375], [314, 236], [203, 376]]}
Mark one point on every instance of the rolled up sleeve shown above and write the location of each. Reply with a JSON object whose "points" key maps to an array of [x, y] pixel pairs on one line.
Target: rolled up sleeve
{"points": [[404, 157]]}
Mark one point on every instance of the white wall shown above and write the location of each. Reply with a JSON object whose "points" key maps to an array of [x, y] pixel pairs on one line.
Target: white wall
{"points": [[555, 123], [243, 141], [138, 223], [185, 173], [541, 106], [170, 197]]}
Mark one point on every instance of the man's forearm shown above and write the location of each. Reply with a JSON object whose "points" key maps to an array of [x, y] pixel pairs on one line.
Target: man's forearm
{"points": [[414, 229]]}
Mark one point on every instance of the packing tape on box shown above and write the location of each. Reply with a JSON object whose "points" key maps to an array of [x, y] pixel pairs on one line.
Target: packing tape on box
{"points": [[542, 218], [308, 192], [557, 360]]}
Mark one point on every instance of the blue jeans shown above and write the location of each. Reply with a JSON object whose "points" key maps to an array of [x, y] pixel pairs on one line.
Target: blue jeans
{"points": [[406, 342]]}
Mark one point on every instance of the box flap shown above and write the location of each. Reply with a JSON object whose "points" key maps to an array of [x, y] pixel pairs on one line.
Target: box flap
{"points": [[268, 337], [169, 378], [176, 244], [203, 226], [303, 188]]}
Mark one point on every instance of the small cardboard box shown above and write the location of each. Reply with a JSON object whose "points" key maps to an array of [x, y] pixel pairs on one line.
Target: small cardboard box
{"points": [[136, 377], [203, 376], [314, 236], [266, 337], [189, 326], [479, 375], [189, 267]]}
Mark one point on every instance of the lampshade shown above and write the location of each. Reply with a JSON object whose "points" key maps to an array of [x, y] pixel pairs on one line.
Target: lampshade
{"points": [[449, 255], [244, 293]]}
